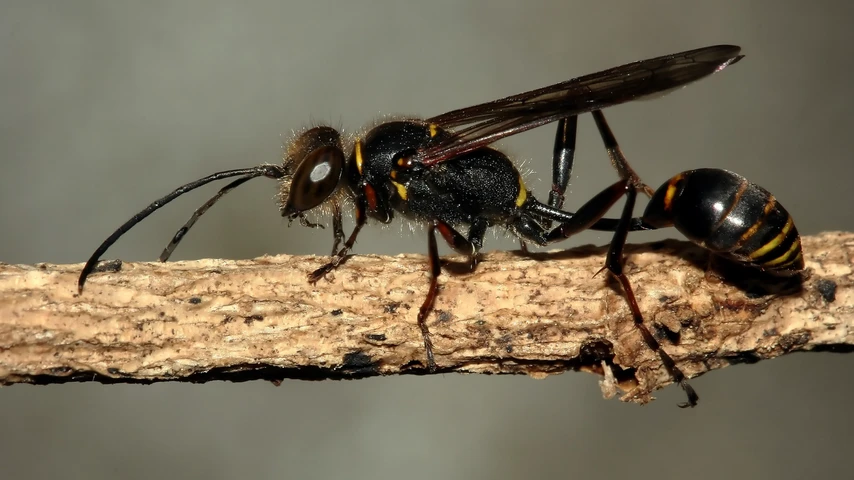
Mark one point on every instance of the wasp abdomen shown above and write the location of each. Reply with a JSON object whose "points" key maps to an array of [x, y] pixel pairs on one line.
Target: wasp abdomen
{"points": [[731, 216]]}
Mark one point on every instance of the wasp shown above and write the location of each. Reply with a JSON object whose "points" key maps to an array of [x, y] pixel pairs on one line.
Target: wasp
{"points": [[443, 172], [716, 209]]}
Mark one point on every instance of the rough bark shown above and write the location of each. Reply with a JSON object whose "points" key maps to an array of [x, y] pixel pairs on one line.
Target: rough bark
{"points": [[537, 314]]}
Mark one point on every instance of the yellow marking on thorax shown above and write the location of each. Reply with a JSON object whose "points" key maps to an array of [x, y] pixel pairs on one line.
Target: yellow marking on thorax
{"points": [[359, 159], [434, 130], [401, 190], [523, 192], [775, 242]]}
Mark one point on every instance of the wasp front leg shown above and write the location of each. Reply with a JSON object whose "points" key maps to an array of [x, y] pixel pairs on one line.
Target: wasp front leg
{"points": [[339, 257]]}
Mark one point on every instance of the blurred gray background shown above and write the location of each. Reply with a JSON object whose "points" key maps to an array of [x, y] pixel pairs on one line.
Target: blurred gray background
{"points": [[108, 105]]}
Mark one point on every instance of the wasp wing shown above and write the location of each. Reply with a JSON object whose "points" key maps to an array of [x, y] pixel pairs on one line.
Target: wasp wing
{"points": [[489, 122]]}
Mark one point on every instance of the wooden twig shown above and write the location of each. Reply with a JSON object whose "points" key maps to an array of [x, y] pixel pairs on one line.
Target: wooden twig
{"points": [[538, 314]]}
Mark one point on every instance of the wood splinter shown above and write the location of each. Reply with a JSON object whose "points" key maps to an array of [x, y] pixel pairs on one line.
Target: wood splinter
{"points": [[538, 314]]}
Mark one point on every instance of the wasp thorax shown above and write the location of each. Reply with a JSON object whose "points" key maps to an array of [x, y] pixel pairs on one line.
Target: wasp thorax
{"points": [[405, 166], [315, 163]]}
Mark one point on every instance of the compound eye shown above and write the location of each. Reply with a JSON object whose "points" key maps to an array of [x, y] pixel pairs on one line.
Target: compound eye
{"points": [[315, 179]]}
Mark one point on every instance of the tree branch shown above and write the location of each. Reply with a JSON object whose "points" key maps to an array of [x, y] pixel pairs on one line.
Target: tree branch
{"points": [[538, 314]]}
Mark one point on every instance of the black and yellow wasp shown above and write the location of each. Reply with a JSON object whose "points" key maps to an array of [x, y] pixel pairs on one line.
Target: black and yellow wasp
{"points": [[443, 172]]}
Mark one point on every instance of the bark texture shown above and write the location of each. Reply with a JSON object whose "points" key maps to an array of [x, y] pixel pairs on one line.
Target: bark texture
{"points": [[537, 314]]}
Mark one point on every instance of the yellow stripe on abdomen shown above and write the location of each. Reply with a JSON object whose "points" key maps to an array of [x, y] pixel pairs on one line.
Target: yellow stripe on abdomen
{"points": [[786, 257], [775, 242]]}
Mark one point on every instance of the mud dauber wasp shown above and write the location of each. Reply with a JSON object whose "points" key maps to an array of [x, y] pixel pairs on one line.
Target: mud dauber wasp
{"points": [[441, 171]]}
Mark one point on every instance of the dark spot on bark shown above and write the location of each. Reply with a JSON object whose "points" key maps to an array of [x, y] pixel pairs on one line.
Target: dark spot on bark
{"points": [[162, 314], [195, 300], [114, 371], [623, 375], [827, 289], [443, 316], [755, 291], [655, 246], [662, 332], [747, 357], [359, 363], [391, 307], [771, 332], [592, 353], [834, 348], [233, 373], [689, 322], [139, 326], [506, 341], [667, 299], [336, 312], [227, 319], [376, 337], [794, 340], [108, 266], [253, 318], [357, 359]]}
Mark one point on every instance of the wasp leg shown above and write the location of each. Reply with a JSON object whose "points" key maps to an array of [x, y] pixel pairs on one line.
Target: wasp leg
{"points": [[466, 246], [477, 231], [616, 154], [427, 306], [338, 258], [614, 264], [591, 212], [337, 226], [562, 160], [527, 225], [614, 258]]}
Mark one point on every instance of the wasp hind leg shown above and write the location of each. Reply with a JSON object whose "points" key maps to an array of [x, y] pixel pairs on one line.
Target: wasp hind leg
{"points": [[614, 260], [563, 157], [614, 265]]}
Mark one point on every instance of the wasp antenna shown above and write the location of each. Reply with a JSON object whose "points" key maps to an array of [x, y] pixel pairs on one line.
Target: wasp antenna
{"points": [[179, 235], [270, 171]]}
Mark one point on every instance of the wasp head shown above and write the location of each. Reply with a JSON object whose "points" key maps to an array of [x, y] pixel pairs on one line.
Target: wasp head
{"points": [[314, 164]]}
